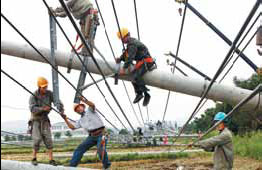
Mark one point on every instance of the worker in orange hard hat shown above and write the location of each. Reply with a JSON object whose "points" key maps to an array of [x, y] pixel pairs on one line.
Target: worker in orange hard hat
{"points": [[138, 52], [40, 106]]}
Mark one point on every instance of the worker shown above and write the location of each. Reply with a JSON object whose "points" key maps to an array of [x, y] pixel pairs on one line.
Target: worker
{"points": [[82, 10], [93, 124], [221, 145], [136, 51], [40, 107]]}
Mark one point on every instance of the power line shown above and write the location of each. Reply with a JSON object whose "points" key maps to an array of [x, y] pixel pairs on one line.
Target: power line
{"points": [[94, 60], [252, 25], [42, 57], [251, 14], [137, 25], [115, 58], [82, 62], [178, 46]]}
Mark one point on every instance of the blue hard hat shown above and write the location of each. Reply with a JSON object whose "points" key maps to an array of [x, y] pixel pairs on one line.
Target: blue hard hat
{"points": [[220, 116]]}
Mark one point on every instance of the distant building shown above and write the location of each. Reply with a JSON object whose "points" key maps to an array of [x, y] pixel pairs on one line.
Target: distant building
{"points": [[62, 128]]}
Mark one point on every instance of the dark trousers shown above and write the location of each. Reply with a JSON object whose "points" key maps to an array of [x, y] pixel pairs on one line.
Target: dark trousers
{"points": [[85, 146], [138, 81]]}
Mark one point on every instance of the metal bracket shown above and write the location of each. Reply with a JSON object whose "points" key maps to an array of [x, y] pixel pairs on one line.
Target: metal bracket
{"points": [[53, 42]]}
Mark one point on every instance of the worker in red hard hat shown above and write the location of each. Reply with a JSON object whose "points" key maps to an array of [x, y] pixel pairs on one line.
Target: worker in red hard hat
{"points": [[93, 124]]}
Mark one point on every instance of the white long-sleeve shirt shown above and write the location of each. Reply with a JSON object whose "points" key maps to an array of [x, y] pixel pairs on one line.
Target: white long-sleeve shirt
{"points": [[89, 121]]}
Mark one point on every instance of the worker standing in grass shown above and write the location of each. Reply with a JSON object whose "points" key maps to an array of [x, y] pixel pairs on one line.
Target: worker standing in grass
{"points": [[136, 51], [40, 107], [221, 145], [82, 10], [93, 124]]}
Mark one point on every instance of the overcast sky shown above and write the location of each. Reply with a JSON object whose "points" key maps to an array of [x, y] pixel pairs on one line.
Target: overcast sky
{"points": [[159, 24]]}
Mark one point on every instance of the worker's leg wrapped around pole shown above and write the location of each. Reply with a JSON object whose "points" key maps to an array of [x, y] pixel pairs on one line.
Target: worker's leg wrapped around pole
{"points": [[88, 28], [138, 82]]}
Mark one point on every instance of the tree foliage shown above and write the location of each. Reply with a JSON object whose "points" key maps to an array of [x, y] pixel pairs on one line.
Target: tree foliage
{"points": [[241, 121]]}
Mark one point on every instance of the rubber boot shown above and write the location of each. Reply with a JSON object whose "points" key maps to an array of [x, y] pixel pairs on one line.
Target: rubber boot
{"points": [[139, 96], [146, 99]]}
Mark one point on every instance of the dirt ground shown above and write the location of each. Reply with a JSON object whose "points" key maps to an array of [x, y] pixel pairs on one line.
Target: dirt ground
{"points": [[192, 163]]}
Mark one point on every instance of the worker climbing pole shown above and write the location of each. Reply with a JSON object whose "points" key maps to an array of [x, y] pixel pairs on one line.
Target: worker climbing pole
{"points": [[82, 10]]}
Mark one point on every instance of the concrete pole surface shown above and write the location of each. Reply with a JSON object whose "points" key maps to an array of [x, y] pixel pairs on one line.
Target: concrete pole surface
{"points": [[157, 78], [16, 165]]}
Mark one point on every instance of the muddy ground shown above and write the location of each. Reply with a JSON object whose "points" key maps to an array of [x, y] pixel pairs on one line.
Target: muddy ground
{"points": [[192, 163]]}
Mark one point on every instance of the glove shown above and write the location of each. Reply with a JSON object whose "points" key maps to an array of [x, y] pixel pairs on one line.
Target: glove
{"points": [[52, 11]]}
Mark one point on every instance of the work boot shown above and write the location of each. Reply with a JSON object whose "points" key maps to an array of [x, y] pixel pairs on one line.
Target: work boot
{"points": [[53, 162], [34, 162], [139, 96], [146, 99]]}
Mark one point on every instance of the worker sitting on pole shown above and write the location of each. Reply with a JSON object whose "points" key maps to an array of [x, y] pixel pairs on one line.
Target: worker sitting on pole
{"points": [[93, 124], [221, 145], [136, 51], [82, 10], [40, 108]]}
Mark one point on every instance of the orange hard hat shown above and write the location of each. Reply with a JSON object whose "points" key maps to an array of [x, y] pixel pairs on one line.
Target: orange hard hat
{"points": [[78, 104], [124, 32], [42, 82]]}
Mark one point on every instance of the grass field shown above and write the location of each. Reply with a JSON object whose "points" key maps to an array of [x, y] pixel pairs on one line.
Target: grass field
{"points": [[247, 149]]}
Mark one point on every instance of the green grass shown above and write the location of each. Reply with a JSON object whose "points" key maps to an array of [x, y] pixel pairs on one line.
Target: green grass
{"points": [[249, 145]]}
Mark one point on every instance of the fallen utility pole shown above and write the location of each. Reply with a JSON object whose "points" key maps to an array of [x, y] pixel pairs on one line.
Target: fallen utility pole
{"points": [[157, 78]]}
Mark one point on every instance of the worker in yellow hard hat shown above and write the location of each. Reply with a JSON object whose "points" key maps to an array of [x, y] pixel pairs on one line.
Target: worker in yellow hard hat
{"points": [[40, 106], [138, 52]]}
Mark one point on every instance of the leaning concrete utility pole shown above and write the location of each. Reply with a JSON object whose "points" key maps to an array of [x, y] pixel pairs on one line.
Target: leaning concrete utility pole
{"points": [[157, 78]]}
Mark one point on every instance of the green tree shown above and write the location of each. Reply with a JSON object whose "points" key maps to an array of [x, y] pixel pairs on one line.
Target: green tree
{"points": [[241, 121], [57, 135], [13, 138], [27, 138], [20, 137], [68, 134], [110, 131], [123, 132], [7, 138]]}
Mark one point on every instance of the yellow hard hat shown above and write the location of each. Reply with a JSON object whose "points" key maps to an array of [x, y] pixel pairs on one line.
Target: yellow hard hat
{"points": [[78, 104], [124, 32], [42, 82]]}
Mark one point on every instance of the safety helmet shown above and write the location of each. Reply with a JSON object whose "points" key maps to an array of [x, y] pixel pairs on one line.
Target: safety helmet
{"points": [[124, 32], [220, 116], [42, 82], [78, 104]]}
